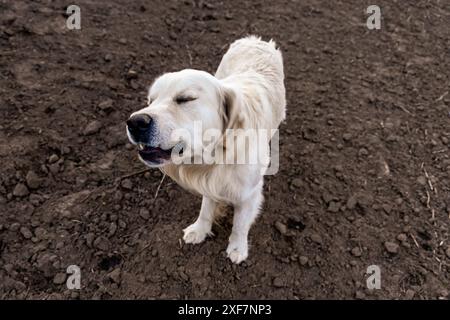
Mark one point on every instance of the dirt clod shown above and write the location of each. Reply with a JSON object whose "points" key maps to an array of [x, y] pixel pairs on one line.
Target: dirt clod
{"points": [[26, 233], [127, 184], [278, 282], [316, 238], [281, 227], [334, 206], [20, 190], [53, 158], [144, 213], [356, 251], [402, 237], [92, 128], [297, 183], [409, 294], [115, 275], [360, 295], [33, 181], [351, 202], [60, 278], [391, 247], [303, 260], [102, 243], [106, 105]]}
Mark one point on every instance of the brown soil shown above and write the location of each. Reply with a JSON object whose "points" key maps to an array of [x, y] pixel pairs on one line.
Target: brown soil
{"points": [[365, 163]]}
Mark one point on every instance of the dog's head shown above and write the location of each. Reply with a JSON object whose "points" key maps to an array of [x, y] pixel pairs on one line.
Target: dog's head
{"points": [[177, 103]]}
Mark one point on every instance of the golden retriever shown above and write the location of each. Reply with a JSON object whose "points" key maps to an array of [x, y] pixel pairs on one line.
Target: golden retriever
{"points": [[191, 111]]}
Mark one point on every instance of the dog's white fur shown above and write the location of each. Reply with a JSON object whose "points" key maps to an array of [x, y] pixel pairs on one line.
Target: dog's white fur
{"points": [[247, 92]]}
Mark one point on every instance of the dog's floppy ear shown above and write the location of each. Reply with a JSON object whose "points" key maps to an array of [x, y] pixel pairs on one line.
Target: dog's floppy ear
{"points": [[232, 105]]}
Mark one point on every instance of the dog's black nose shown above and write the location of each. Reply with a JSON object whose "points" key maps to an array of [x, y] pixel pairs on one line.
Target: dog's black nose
{"points": [[139, 122]]}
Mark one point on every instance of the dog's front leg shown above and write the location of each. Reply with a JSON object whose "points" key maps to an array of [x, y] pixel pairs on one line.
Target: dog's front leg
{"points": [[198, 231], [245, 214]]}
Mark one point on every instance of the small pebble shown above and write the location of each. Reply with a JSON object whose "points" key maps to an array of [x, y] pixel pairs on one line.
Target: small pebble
{"points": [[422, 180], [59, 278], [26, 233], [303, 260], [409, 294], [106, 105], [53, 158], [20, 190], [297, 183], [115, 275], [316, 238], [363, 152], [33, 181], [54, 168], [346, 136], [443, 293], [144, 213], [281, 227], [102, 243], [356, 251], [351, 202], [112, 229], [278, 282], [127, 184]]}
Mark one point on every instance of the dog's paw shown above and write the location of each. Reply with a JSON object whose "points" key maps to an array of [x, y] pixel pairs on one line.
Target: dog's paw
{"points": [[237, 252], [195, 233]]}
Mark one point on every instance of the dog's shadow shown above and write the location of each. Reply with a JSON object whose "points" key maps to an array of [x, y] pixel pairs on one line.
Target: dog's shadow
{"points": [[223, 221]]}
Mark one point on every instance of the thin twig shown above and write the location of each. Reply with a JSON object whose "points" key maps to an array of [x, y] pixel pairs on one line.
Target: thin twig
{"points": [[414, 239], [144, 248], [432, 188], [428, 179], [404, 109], [159, 187], [190, 56], [134, 174], [442, 97]]}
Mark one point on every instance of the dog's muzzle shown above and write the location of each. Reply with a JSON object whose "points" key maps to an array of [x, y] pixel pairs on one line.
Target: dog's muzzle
{"points": [[141, 130]]}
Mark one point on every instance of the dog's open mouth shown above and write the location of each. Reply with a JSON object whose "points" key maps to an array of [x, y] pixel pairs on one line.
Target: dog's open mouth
{"points": [[156, 155]]}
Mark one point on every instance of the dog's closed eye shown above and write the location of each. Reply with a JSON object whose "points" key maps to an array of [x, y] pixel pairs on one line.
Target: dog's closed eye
{"points": [[184, 99]]}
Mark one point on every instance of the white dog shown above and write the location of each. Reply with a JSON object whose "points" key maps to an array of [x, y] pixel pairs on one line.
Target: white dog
{"points": [[247, 92]]}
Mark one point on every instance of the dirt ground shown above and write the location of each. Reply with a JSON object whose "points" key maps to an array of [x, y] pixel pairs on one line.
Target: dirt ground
{"points": [[364, 165]]}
